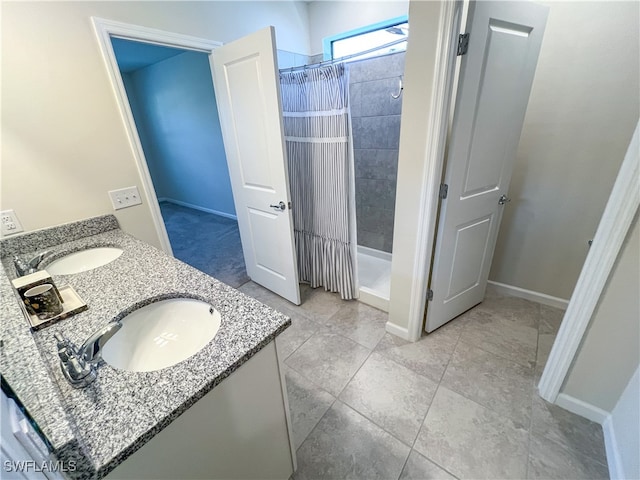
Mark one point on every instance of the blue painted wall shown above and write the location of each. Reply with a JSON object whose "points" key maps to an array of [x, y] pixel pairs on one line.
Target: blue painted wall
{"points": [[174, 106]]}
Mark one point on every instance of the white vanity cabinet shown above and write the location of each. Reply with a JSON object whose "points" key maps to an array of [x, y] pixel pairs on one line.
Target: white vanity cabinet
{"points": [[240, 429]]}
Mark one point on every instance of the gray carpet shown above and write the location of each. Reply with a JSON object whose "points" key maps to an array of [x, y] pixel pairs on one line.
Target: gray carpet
{"points": [[207, 242]]}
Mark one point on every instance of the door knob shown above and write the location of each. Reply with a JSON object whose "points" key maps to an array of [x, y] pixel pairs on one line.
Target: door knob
{"points": [[280, 206], [503, 199]]}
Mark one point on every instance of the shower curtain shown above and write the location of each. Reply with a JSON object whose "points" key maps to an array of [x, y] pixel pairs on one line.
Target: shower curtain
{"points": [[316, 128]]}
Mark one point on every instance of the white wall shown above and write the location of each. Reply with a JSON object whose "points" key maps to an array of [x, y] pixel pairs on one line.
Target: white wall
{"points": [[63, 141], [610, 350], [582, 112], [327, 18], [625, 430]]}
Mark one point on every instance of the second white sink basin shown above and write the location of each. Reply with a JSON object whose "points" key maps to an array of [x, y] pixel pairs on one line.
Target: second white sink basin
{"points": [[162, 334], [83, 260]]}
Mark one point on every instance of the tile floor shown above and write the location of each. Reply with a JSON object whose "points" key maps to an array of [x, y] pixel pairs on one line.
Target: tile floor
{"points": [[460, 403]]}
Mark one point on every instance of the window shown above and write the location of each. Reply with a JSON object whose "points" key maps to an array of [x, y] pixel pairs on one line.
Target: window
{"points": [[391, 34]]}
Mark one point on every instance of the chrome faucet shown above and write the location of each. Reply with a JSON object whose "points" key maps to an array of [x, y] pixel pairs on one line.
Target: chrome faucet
{"points": [[25, 268], [80, 365]]}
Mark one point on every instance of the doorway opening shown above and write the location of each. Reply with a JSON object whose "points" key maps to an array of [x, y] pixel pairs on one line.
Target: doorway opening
{"points": [[171, 96]]}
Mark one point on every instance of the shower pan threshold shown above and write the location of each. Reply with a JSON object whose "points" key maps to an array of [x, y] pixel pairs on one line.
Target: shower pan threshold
{"points": [[374, 272]]}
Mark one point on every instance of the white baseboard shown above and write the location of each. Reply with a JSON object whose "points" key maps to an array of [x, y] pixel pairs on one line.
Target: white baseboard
{"points": [[398, 331], [614, 462], [584, 409], [368, 297], [197, 207], [542, 298]]}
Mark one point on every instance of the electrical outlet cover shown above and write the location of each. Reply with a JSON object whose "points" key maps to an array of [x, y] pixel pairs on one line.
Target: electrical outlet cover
{"points": [[10, 223]]}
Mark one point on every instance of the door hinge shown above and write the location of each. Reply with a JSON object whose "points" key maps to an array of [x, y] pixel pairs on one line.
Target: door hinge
{"points": [[444, 190], [429, 295], [463, 43], [290, 205]]}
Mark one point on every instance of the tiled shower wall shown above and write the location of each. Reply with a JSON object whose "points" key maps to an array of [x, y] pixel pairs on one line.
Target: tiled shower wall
{"points": [[375, 117]]}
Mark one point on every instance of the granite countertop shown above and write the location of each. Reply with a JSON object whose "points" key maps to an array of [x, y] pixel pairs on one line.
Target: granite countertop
{"points": [[110, 419]]}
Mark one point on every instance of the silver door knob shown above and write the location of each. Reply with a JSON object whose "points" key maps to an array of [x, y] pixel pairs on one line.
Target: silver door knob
{"points": [[280, 206], [503, 199]]}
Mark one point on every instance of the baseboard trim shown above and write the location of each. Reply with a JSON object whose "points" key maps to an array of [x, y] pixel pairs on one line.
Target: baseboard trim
{"points": [[584, 409], [398, 331], [614, 462], [542, 298], [368, 297], [198, 207]]}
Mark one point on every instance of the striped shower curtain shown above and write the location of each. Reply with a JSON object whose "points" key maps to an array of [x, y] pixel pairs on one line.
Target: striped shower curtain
{"points": [[316, 128]]}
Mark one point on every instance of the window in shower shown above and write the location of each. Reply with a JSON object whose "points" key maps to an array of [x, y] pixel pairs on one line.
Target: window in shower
{"points": [[381, 38]]}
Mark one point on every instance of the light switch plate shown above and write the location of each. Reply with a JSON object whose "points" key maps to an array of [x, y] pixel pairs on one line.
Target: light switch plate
{"points": [[125, 197], [10, 223]]}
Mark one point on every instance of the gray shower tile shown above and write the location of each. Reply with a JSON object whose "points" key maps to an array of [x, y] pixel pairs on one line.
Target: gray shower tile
{"points": [[307, 404], [371, 239], [568, 429], [359, 322], [346, 445], [377, 99], [471, 441], [419, 467], [328, 360], [503, 386], [318, 57], [357, 132], [388, 242], [355, 100], [378, 132], [394, 397], [428, 357], [372, 163], [375, 193], [385, 66], [551, 460], [375, 218]]}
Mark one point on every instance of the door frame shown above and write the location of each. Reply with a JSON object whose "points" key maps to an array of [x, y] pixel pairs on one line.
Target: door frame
{"points": [[611, 232], [104, 29]]}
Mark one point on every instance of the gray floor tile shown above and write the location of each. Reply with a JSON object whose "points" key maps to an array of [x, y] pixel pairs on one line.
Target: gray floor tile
{"points": [[394, 397], [307, 404], [574, 432], [516, 310], [499, 384], [328, 360], [359, 322], [421, 468], [502, 336], [319, 304], [299, 332], [471, 441], [345, 445], [550, 319], [550, 460], [545, 342], [429, 356]]}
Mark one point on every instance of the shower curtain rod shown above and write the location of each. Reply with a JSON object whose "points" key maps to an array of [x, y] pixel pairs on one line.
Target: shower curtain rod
{"points": [[341, 59]]}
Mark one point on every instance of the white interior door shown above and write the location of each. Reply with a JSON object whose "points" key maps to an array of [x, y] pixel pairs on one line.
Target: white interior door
{"points": [[495, 81], [245, 78]]}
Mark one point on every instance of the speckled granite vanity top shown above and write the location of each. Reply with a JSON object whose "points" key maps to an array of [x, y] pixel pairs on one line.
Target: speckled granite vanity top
{"points": [[101, 425]]}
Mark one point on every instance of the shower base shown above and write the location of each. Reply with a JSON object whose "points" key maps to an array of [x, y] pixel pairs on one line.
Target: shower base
{"points": [[374, 272]]}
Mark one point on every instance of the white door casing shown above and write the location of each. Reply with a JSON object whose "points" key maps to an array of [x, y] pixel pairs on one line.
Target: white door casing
{"points": [[248, 96], [495, 82]]}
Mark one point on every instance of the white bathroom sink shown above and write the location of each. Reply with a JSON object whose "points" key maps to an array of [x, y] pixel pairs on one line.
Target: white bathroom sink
{"points": [[162, 334], [83, 260]]}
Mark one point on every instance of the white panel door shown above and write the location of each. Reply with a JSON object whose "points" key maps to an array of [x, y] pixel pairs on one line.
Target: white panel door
{"points": [[245, 79], [495, 81]]}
